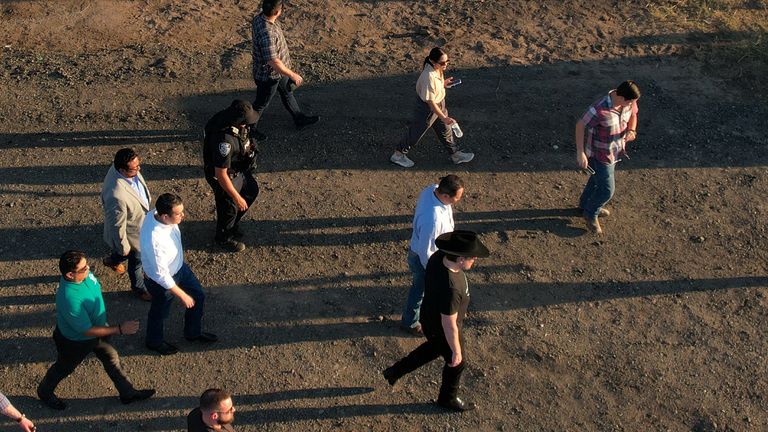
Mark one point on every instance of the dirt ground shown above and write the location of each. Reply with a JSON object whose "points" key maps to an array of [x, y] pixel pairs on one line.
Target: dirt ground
{"points": [[660, 324]]}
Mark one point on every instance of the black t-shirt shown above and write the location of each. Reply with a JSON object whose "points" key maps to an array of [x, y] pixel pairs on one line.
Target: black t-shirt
{"points": [[445, 292], [195, 423]]}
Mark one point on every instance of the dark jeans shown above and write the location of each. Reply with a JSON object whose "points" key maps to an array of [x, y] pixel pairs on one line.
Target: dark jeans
{"points": [[434, 347], [423, 120], [599, 188], [135, 270], [227, 213], [161, 306], [72, 353], [265, 90]]}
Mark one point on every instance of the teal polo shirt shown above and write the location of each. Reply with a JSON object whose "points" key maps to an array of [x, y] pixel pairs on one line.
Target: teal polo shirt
{"points": [[79, 306]]}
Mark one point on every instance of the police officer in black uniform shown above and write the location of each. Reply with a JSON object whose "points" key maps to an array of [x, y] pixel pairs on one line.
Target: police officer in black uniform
{"points": [[229, 156]]}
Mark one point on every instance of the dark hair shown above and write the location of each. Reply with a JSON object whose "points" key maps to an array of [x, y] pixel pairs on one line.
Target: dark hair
{"points": [[211, 398], [628, 90], [450, 185], [271, 7], [69, 260], [166, 202], [434, 56], [123, 156]]}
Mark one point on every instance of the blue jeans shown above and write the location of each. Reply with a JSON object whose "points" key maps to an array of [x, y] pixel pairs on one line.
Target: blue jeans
{"points": [[135, 270], [599, 188], [416, 293], [161, 306]]}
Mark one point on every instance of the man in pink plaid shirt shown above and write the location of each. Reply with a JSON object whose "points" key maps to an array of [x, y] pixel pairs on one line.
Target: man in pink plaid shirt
{"points": [[607, 126]]}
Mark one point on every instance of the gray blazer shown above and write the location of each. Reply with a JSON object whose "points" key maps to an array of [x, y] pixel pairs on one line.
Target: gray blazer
{"points": [[124, 212]]}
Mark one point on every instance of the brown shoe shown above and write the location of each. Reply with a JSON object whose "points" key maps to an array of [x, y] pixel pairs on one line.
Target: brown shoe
{"points": [[593, 225], [413, 331], [117, 268]]}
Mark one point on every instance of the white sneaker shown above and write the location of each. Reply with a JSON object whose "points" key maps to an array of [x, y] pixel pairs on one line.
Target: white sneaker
{"points": [[460, 157], [401, 159]]}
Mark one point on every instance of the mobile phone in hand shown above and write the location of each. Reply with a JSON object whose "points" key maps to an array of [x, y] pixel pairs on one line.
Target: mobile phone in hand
{"points": [[454, 83]]}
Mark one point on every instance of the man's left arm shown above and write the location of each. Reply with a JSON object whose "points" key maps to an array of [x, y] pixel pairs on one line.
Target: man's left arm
{"points": [[10, 411], [631, 134]]}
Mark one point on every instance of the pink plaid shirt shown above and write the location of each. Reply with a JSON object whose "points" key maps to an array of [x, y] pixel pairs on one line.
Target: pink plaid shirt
{"points": [[604, 129]]}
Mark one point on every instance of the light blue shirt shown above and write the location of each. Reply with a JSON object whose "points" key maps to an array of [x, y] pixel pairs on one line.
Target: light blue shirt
{"points": [[430, 219], [137, 187]]}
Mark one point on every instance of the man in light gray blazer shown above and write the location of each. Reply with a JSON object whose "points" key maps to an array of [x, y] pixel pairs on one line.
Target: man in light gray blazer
{"points": [[125, 198]]}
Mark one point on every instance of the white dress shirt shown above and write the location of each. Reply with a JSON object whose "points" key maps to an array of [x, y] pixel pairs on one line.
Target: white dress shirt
{"points": [[430, 219], [161, 253]]}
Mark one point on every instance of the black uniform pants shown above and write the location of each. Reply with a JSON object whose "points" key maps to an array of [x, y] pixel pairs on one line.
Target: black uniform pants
{"points": [[72, 353], [434, 347], [227, 213]]}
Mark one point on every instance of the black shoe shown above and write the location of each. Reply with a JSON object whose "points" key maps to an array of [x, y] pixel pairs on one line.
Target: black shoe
{"points": [[164, 348], [303, 121], [390, 375], [53, 402], [204, 337], [257, 134], [231, 245], [137, 396], [456, 404]]}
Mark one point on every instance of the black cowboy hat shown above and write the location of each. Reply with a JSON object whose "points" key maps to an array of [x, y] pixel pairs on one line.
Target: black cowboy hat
{"points": [[242, 112], [462, 243]]}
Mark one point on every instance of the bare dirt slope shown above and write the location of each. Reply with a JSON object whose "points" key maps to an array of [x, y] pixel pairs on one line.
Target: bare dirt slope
{"points": [[657, 325]]}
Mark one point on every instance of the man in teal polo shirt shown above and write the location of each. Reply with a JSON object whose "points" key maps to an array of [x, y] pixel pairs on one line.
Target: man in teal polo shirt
{"points": [[81, 328]]}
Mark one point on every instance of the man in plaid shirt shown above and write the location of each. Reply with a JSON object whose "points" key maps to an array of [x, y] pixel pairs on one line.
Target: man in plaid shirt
{"points": [[272, 66], [606, 127]]}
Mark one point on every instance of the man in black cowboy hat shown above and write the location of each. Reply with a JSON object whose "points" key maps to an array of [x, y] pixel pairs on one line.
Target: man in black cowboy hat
{"points": [[446, 297], [229, 156]]}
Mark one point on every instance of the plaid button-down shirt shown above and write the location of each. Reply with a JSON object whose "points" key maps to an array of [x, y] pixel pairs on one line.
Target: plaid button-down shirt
{"points": [[268, 44], [4, 402], [604, 129]]}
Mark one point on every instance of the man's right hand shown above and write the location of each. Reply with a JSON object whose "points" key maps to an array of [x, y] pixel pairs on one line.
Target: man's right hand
{"points": [[26, 425], [241, 204], [188, 301], [455, 359], [581, 160], [129, 327], [449, 121], [297, 79]]}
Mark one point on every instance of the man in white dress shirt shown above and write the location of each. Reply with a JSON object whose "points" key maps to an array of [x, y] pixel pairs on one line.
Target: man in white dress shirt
{"points": [[433, 216], [166, 275]]}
